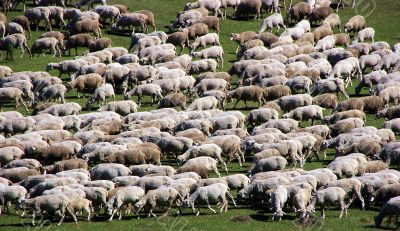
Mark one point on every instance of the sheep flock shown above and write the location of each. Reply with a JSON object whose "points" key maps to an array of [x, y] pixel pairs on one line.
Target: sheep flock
{"points": [[83, 142]]}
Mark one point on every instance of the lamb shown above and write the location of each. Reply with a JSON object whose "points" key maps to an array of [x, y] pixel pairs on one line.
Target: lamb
{"points": [[355, 24], [248, 7], [212, 193], [306, 113], [330, 195], [85, 82], [273, 163], [202, 66], [247, 93], [366, 33], [275, 20], [215, 52], [126, 195], [165, 196], [123, 108], [78, 40], [204, 103], [152, 90]]}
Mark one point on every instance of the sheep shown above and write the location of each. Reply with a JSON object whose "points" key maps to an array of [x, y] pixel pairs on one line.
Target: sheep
{"points": [[85, 82], [15, 41], [261, 115], [100, 95], [215, 52], [78, 40], [173, 100], [12, 194], [344, 115], [211, 21], [242, 37], [391, 208], [389, 113], [326, 43], [39, 13], [275, 20], [107, 12], [108, 171], [204, 103], [121, 107], [298, 12], [390, 94], [246, 93], [291, 102], [329, 86], [278, 199], [126, 195], [366, 33], [333, 20], [50, 203], [209, 84], [212, 193], [202, 162], [131, 20], [248, 7], [12, 94], [370, 104], [202, 66], [306, 113], [18, 174], [195, 30], [210, 150], [153, 90], [132, 157], [329, 195], [163, 195], [65, 67], [100, 44], [89, 3], [46, 43], [273, 163], [210, 5], [355, 24]]}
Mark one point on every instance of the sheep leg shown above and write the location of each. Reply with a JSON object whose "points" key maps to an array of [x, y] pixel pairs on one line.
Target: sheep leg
{"points": [[343, 207], [209, 206], [62, 218], [231, 197], [322, 212], [215, 169], [239, 159]]}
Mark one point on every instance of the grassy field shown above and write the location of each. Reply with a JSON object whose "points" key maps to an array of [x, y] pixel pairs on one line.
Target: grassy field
{"points": [[383, 15]]}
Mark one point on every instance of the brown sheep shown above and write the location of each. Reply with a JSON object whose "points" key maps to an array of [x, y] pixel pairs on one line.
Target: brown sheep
{"points": [[298, 12], [311, 72], [242, 37], [86, 26], [247, 7], [307, 37], [320, 13], [110, 128], [24, 22], [343, 115], [371, 104], [195, 30], [267, 38], [49, 154], [85, 82], [179, 39], [66, 165], [199, 169], [79, 40], [369, 148], [211, 21], [276, 92], [262, 155], [247, 93], [247, 45], [374, 166], [41, 107], [127, 157], [355, 24], [321, 32], [16, 175], [174, 100], [342, 39], [326, 100], [151, 21], [100, 44]]}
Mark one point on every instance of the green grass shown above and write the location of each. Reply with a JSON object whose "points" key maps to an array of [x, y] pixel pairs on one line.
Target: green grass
{"points": [[384, 18]]}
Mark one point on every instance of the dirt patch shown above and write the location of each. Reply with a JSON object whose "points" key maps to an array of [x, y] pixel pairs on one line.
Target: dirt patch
{"points": [[365, 220], [241, 218]]}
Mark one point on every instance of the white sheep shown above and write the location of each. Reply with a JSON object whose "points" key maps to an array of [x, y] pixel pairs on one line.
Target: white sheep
{"points": [[214, 52], [367, 33], [275, 20]]}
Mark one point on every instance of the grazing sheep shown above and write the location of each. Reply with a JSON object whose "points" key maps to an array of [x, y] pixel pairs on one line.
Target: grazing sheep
{"points": [[275, 20], [215, 52], [355, 24], [247, 93], [247, 7], [329, 195], [367, 33]]}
